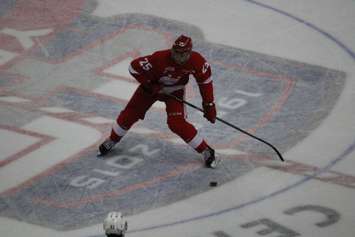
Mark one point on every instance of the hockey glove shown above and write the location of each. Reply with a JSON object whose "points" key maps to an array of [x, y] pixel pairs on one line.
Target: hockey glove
{"points": [[152, 89], [209, 111]]}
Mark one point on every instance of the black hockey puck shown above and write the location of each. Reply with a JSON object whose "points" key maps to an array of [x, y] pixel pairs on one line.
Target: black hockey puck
{"points": [[213, 183]]}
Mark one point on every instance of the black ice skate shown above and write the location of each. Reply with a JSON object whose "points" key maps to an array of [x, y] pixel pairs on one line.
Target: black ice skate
{"points": [[210, 159], [106, 147]]}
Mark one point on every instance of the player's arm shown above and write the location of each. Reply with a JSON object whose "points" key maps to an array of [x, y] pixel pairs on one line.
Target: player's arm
{"points": [[204, 80], [142, 70]]}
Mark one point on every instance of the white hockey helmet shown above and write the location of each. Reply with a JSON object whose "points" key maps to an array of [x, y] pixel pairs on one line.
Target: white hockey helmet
{"points": [[114, 224]]}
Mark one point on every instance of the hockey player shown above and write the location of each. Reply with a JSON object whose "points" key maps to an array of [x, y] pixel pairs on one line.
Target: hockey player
{"points": [[114, 225], [167, 72]]}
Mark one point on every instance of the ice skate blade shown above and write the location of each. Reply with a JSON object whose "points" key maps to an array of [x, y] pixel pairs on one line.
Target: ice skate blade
{"points": [[99, 155], [214, 164]]}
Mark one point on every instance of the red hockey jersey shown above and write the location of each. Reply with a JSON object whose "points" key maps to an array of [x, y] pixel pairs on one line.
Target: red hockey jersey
{"points": [[160, 68]]}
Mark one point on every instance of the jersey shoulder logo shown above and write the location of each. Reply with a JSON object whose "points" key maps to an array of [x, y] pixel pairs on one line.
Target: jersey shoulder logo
{"points": [[205, 67]]}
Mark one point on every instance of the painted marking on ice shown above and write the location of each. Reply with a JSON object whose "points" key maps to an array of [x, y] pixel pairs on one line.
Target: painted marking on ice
{"points": [[13, 99], [56, 110], [71, 139], [17, 143], [142, 130], [98, 120], [309, 25], [25, 37], [122, 90], [117, 89], [293, 185], [6, 56], [12, 142], [119, 69], [176, 140], [230, 152], [179, 170]]}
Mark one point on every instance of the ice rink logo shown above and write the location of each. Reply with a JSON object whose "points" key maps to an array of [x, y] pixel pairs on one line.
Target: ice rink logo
{"points": [[69, 79]]}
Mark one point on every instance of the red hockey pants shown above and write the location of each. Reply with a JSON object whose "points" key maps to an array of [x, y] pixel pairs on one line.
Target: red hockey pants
{"points": [[140, 103]]}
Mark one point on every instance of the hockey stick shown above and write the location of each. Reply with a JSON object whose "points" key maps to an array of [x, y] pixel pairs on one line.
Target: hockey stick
{"points": [[229, 124]]}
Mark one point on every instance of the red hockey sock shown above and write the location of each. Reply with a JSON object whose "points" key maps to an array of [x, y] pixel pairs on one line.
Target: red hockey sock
{"points": [[114, 137], [117, 132], [200, 148]]}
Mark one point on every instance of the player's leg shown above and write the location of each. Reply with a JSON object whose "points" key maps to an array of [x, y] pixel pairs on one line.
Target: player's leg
{"points": [[176, 119], [134, 110]]}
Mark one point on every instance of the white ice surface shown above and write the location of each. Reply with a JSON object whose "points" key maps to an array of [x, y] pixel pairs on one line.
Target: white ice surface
{"points": [[247, 26]]}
